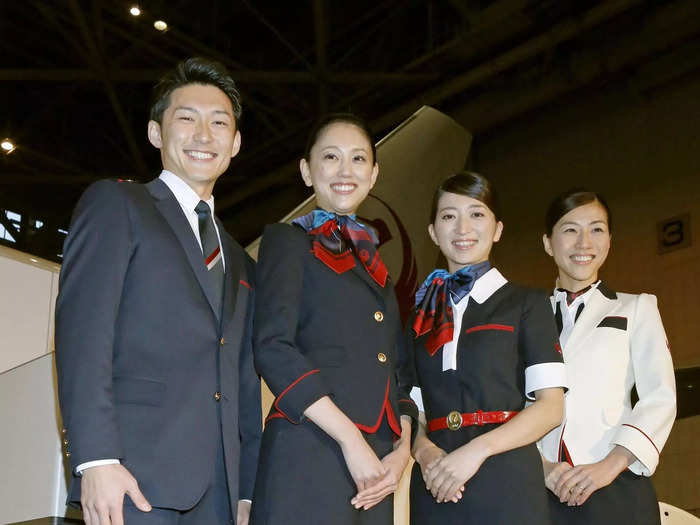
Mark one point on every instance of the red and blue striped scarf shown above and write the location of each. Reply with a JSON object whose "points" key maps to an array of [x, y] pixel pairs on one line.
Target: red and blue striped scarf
{"points": [[433, 307], [338, 239]]}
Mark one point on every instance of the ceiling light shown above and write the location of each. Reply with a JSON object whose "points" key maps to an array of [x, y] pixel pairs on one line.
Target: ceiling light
{"points": [[7, 146], [135, 11], [160, 25]]}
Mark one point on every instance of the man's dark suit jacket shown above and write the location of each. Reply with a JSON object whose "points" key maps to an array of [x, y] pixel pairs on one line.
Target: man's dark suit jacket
{"points": [[141, 353]]}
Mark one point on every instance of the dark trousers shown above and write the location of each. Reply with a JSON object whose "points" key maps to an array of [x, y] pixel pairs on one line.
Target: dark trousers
{"points": [[630, 499]]}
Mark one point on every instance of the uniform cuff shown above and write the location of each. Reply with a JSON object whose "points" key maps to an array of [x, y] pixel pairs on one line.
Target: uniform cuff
{"points": [[408, 408], [544, 375], [640, 444], [97, 463], [299, 395]]}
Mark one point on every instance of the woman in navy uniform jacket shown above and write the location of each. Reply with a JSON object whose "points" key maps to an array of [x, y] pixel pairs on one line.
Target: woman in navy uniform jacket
{"points": [[598, 461], [327, 341], [484, 354]]}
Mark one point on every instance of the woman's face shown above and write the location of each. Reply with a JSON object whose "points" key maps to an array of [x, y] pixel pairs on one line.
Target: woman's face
{"points": [[340, 168], [579, 244], [464, 229]]}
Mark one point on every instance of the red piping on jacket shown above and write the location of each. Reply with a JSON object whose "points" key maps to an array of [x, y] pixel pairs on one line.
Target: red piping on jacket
{"points": [[640, 430], [479, 328], [390, 416], [284, 392]]}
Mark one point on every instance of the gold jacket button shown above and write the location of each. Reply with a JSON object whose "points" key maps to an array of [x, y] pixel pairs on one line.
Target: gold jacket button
{"points": [[63, 431], [67, 454], [378, 316], [222, 341], [381, 357], [217, 396], [65, 442]]}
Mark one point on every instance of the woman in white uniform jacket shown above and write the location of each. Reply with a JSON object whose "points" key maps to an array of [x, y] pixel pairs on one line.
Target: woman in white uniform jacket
{"points": [[597, 463]]}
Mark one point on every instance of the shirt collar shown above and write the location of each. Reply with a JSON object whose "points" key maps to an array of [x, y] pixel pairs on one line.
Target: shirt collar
{"points": [[185, 195], [560, 296], [486, 285]]}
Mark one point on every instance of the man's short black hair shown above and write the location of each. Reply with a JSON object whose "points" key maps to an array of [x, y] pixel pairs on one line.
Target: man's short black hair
{"points": [[194, 70]]}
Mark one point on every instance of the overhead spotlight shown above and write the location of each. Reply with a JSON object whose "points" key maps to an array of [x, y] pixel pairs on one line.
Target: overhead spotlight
{"points": [[160, 25], [135, 11], [7, 146]]}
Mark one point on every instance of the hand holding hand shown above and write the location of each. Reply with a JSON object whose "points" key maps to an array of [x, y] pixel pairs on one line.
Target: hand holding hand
{"points": [[552, 473], [576, 485], [395, 463], [446, 477], [363, 464], [102, 494]]}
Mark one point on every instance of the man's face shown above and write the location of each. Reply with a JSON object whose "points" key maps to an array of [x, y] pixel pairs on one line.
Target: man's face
{"points": [[198, 136]]}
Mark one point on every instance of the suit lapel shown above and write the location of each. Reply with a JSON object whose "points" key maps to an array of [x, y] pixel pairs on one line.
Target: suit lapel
{"points": [[172, 212], [597, 307], [361, 273]]}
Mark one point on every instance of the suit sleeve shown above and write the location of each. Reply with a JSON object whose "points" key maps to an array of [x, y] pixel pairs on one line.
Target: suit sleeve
{"points": [[539, 344], [406, 375], [249, 410], [95, 260], [294, 381], [645, 430]]}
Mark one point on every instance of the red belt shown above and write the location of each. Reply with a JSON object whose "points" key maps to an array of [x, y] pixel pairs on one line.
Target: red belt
{"points": [[454, 420]]}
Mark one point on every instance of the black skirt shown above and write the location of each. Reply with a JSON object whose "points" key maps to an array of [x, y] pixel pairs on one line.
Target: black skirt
{"points": [[630, 499], [303, 479], [508, 489]]}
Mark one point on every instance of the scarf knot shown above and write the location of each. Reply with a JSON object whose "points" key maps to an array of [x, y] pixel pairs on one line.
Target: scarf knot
{"points": [[336, 238], [433, 306]]}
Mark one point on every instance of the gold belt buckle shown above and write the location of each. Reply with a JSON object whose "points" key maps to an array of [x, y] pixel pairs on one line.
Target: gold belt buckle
{"points": [[454, 420]]}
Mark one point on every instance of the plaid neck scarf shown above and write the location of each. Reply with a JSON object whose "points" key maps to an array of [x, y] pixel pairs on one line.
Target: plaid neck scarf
{"points": [[433, 308], [337, 237]]}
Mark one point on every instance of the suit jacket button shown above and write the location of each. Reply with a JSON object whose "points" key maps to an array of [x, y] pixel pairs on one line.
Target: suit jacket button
{"points": [[217, 396], [67, 454], [381, 357], [63, 431], [65, 442], [378, 316], [222, 341]]}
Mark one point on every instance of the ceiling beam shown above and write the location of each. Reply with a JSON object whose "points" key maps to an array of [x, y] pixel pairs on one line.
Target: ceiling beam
{"points": [[665, 30], [241, 76], [320, 27], [561, 32], [97, 62], [529, 49]]}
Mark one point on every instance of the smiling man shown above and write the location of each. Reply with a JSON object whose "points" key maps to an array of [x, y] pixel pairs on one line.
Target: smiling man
{"points": [[159, 397]]}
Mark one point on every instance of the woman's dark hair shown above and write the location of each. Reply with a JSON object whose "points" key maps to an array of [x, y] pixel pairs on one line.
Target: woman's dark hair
{"points": [[469, 184], [347, 118], [570, 200], [194, 70]]}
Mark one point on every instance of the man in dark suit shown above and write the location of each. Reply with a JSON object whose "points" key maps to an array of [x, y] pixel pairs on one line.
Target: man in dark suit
{"points": [[159, 397]]}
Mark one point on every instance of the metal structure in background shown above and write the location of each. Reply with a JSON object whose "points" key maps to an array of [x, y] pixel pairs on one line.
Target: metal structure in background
{"points": [[75, 80]]}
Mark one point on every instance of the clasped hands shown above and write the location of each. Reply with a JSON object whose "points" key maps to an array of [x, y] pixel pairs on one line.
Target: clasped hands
{"points": [[445, 475], [574, 485]]}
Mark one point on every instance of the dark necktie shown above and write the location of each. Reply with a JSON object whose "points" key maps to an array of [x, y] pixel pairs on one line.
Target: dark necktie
{"points": [[211, 251]]}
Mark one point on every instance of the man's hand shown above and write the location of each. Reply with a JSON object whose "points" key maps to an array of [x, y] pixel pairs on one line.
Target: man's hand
{"points": [[102, 494], [243, 514]]}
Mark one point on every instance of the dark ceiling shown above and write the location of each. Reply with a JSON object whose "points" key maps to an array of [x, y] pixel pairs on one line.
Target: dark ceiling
{"points": [[75, 79]]}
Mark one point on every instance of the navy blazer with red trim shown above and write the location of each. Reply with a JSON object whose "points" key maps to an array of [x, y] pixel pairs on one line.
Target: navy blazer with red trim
{"points": [[317, 333]]}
